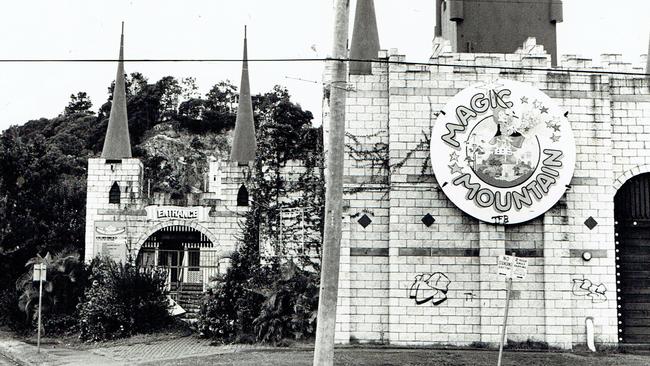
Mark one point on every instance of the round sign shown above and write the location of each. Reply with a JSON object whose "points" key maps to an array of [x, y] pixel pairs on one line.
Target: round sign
{"points": [[503, 152]]}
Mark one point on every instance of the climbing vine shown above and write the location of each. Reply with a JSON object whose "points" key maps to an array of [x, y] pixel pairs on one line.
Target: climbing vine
{"points": [[376, 156]]}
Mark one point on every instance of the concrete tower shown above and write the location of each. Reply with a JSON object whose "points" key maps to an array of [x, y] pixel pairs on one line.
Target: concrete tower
{"points": [[244, 144], [114, 181], [498, 26], [117, 144], [365, 38]]}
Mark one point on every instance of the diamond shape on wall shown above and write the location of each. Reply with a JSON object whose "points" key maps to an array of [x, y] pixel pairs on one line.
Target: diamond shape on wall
{"points": [[428, 220], [364, 221], [591, 223]]}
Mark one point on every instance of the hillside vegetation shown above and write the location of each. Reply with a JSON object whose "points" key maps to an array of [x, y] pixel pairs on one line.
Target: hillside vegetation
{"points": [[174, 131]]}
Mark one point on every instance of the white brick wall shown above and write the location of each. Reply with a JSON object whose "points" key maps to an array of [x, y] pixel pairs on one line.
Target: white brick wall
{"points": [[396, 106], [222, 226]]}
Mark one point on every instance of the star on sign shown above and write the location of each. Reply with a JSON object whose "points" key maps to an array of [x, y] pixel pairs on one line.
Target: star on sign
{"points": [[549, 124], [556, 128], [555, 138], [453, 156], [455, 168], [524, 99], [543, 109]]}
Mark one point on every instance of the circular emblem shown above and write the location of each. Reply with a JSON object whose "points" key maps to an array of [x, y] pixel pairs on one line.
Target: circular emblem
{"points": [[503, 152]]}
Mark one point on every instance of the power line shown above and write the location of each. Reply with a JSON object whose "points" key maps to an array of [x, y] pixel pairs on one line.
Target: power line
{"points": [[100, 60], [384, 61]]}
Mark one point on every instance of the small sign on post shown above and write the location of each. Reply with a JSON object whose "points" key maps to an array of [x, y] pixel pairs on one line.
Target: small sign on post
{"points": [[40, 275], [511, 267]]}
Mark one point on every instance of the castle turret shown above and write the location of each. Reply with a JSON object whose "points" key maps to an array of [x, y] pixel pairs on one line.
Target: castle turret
{"points": [[117, 144], [244, 145], [114, 191], [365, 38]]}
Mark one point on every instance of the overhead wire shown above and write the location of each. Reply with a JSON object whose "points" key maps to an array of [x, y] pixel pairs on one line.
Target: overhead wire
{"points": [[329, 59]]}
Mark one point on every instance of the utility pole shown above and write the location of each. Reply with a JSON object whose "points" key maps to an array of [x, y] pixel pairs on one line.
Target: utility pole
{"points": [[329, 281]]}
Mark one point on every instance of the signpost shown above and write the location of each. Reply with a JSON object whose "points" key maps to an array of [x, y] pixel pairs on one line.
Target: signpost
{"points": [[509, 266], [40, 275]]}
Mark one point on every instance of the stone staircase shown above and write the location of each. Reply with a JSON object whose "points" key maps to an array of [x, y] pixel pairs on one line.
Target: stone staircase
{"points": [[188, 296]]}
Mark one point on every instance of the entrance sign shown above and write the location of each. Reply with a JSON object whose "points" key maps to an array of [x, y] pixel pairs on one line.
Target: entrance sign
{"points": [[503, 152], [163, 213]]}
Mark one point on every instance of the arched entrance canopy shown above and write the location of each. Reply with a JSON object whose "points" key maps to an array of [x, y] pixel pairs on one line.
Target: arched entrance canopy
{"points": [[159, 227]]}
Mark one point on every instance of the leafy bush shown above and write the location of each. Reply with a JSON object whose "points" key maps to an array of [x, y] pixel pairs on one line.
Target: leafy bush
{"points": [[277, 302], [229, 308], [66, 279], [122, 300], [10, 314], [60, 324], [290, 308]]}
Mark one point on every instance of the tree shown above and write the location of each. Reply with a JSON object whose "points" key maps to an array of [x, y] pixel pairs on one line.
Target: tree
{"points": [[222, 97], [79, 103], [170, 91]]}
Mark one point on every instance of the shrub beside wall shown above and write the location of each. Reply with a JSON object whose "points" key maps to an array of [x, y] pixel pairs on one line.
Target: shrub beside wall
{"points": [[122, 300]]}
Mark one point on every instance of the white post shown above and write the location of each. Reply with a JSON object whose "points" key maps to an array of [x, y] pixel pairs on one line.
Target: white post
{"points": [[505, 319], [40, 303], [505, 315]]}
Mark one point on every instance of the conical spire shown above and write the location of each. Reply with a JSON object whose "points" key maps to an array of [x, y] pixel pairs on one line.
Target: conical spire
{"points": [[244, 145], [117, 144], [365, 38]]}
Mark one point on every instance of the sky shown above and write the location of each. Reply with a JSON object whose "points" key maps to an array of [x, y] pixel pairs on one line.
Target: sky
{"points": [[82, 29]]}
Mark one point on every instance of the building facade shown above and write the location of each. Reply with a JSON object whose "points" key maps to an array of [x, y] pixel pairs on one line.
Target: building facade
{"points": [[193, 241], [417, 270]]}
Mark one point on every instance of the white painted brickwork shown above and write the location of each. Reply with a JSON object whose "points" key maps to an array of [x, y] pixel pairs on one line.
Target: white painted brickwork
{"points": [[221, 227], [390, 113]]}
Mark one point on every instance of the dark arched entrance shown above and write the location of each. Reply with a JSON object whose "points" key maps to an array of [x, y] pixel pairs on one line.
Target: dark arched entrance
{"points": [[632, 227], [186, 255]]}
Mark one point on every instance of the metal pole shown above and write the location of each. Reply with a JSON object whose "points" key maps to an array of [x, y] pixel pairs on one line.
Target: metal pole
{"points": [[505, 320], [505, 315], [40, 302], [325, 329]]}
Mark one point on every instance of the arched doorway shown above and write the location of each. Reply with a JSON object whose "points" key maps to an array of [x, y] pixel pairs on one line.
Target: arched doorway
{"points": [[187, 256], [632, 227]]}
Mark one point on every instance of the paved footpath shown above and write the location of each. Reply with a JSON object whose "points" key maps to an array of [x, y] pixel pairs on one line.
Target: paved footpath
{"points": [[174, 349]]}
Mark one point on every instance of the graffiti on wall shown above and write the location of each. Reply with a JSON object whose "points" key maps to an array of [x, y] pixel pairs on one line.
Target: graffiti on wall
{"points": [[584, 287], [469, 296], [429, 287]]}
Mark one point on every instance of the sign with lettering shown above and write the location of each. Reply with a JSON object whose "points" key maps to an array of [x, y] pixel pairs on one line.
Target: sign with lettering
{"points": [[177, 213], [512, 267], [503, 152], [40, 272], [110, 239]]}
